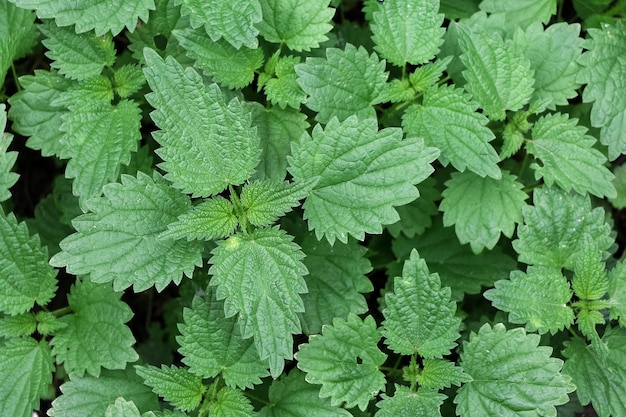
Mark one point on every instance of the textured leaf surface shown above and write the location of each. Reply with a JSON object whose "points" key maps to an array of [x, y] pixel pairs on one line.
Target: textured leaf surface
{"points": [[619, 182], [520, 13], [128, 79], [408, 31], [231, 402], [198, 130], [617, 293], [537, 298], [299, 24], [441, 373], [599, 379], [567, 157], [229, 66], [419, 317], [345, 83], [26, 278], [176, 385], [101, 15], [554, 226], [292, 396], [416, 216], [210, 219], [265, 201], [7, 159], [428, 74], [590, 281], [23, 324], [235, 22], [353, 159], [18, 34], [345, 360], [284, 89], [448, 120], [118, 242], [260, 277], [25, 371], [95, 335], [498, 78], [122, 408], [512, 375], [423, 403], [482, 208], [212, 344]]}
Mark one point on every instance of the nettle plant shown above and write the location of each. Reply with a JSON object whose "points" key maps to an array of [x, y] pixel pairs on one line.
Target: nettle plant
{"points": [[396, 208]]}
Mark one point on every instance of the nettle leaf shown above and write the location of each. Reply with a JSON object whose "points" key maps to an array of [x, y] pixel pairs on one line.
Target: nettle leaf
{"points": [[118, 241], [416, 216], [605, 65], [353, 159], [284, 90], [299, 24], [408, 31], [599, 378], [198, 129], [213, 218], [95, 335], [48, 323], [26, 277], [259, 275], [128, 79], [497, 76], [18, 34], [231, 402], [336, 282], [176, 385], [617, 293], [553, 55], [447, 119], [99, 138], [590, 281], [7, 159], [619, 182], [351, 374], [26, 371], [520, 13], [34, 115], [211, 344], [20, 325], [554, 227], [538, 298], [407, 403], [123, 408], [419, 316], [229, 66], [345, 83], [101, 15], [511, 374], [292, 396], [440, 373], [77, 56], [96, 88], [482, 208], [91, 396], [568, 158], [427, 75]]}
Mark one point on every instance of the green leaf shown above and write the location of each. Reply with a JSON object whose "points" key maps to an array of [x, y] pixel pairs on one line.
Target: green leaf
{"points": [[26, 278], [617, 293], [260, 277], [441, 373], [498, 78], [350, 374], [427, 75], [408, 31], [292, 396], [448, 120], [122, 408], [34, 115], [353, 159], [95, 129], [197, 129], [176, 385], [605, 66], [336, 282], [590, 281], [101, 15], [77, 56], [284, 89], [91, 396], [482, 208], [553, 55], [396, 91], [118, 242], [587, 320], [229, 66], [265, 201], [554, 227], [211, 344], [458, 9], [406, 403], [213, 218], [233, 21], [512, 375], [231, 402], [48, 323], [345, 83], [567, 156], [299, 24], [95, 335], [97, 88], [26, 372], [18, 34], [599, 379], [7, 159], [128, 79], [419, 317], [17, 326], [520, 13], [416, 216], [538, 298], [619, 182]]}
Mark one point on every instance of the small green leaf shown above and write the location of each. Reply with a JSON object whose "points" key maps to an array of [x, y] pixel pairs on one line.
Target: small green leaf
{"points": [[122, 408], [284, 89], [230, 402], [48, 323], [427, 75], [19, 325], [213, 218], [406, 403], [587, 321], [538, 298], [619, 182], [7, 159], [512, 375], [18, 34], [441, 373], [128, 79], [520, 13], [590, 281], [617, 293], [176, 385], [351, 374]]}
